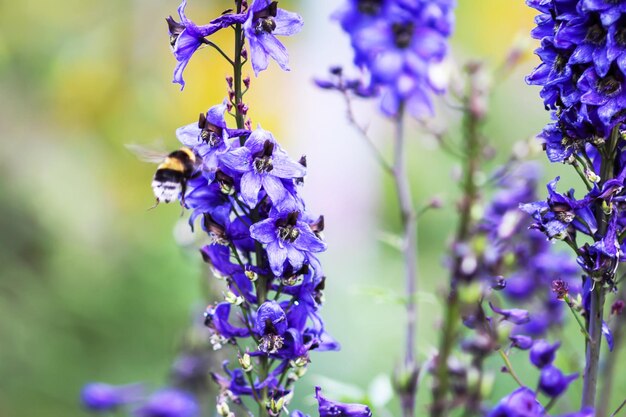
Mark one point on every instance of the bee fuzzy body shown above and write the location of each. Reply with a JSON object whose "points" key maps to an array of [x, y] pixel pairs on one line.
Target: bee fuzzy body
{"points": [[171, 176]]}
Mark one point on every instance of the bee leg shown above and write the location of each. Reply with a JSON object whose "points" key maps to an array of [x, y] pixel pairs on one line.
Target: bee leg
{"points": [[183, 191], [155, 205]]}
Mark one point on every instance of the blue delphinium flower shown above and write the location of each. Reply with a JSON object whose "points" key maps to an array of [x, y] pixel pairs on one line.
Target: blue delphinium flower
{"points": [[553, 382], [264, 165], [520, 403], [399, 43], [542, 353], [288, 239], [169, 403], [265, 20], [582, 69], [186, 37], [329, 408], [98, 396]]}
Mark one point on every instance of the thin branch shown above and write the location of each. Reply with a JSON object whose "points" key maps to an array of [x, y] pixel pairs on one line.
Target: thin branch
{"points": [[619, 408], [363, 132], [218, 49], [509, 367]]}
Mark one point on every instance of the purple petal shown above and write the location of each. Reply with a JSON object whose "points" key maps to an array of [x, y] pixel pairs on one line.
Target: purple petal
{"points": [[307, 241], [264, 231], [287, 23], [250, 187], [258, 55], [274, 48], [284, 167], [238, 159], [277, 256], [296, 257], [274, 188]]}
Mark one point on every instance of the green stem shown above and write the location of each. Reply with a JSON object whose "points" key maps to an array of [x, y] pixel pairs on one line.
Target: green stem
{"points": [[609, 367], [596, 305], [237, 67], [452, 306], [509, 367]]}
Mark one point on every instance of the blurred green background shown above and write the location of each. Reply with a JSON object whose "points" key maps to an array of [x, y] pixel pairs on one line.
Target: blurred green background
{"points": [[94, 287]]}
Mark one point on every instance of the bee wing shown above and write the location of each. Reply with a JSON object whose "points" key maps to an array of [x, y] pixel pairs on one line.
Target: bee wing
{"points": [[147, 154]]}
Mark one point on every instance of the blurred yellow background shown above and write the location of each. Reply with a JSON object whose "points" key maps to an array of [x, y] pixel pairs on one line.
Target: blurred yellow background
{"points": [[94, 287]]}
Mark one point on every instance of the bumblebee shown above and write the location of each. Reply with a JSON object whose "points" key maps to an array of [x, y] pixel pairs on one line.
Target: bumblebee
{"points": [[174, 171]]}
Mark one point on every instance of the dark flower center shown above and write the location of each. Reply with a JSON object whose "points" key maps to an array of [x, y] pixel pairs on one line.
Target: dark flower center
{"points": [[288, 233], [403, 34], [596, 33], [175, 29], [370, 7], [287, 230], [265, 19], [559, 63], [209, 133], [263, 162], [271, 343], [609, 85]]}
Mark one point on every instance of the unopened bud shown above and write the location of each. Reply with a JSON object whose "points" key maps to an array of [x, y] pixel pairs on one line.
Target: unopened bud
{"points": [[252, 276], [276, 406], [618, 307], [246, 362], [592, 176], [231, 298], [560, 288], [223, 409]]}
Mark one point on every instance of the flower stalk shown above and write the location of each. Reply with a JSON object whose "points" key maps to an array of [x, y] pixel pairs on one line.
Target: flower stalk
{"points": [[410, 256], [452, 307]]}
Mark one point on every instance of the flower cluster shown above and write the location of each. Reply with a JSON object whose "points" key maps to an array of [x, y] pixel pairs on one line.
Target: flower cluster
{"points": [[262, 22], [518, 262], [244, 192], [398, 44], [264, 244], [583, 51], [552, 383], [528, 262]]}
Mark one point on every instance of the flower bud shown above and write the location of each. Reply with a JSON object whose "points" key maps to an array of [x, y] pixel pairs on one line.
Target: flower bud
{"points": [[223, 409], [232, 298], [246, 362], [542, 353], [276, 406]]}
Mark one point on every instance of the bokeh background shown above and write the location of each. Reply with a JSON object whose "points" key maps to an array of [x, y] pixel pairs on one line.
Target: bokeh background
{"points": [[95, 287]]}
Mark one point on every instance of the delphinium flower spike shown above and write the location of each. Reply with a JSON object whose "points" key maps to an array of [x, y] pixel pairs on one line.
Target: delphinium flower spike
{"points": [[397, 44], [582, 79], [243, 191]]}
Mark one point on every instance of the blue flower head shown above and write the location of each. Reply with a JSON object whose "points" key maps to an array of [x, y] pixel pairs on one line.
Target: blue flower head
{"points": [[553, 382], [520, 403], [263, 165], [399, 43], [169, 403], [287, 238], [264, 21], [542, 353], [186, 37], [98, 396], [329, 408]]}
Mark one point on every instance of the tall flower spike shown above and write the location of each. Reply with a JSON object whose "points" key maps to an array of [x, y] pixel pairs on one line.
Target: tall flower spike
{"points": [[265, 20], [400, 43]]}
